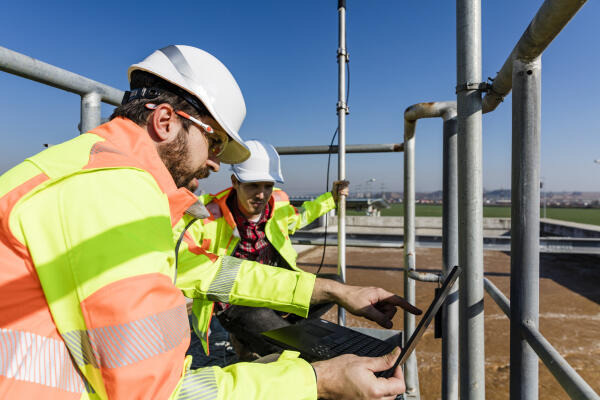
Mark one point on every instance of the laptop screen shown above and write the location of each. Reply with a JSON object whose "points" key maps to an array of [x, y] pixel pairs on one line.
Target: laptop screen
{"points": [[427, 318]]}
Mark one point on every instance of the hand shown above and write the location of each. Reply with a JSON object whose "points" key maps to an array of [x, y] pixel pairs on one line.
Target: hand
{"points": [[339, 188], [373, 303], [352, 377]]}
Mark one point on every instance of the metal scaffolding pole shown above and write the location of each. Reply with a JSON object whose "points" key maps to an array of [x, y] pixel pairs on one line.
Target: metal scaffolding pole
{"points": [[446, 110], [470, 203], [550, 19], [566, 375], [36, 70], [525, 230], [411, 375], [90, 111], [450, 258], [92, 93], [342, 110], [351, 148]]}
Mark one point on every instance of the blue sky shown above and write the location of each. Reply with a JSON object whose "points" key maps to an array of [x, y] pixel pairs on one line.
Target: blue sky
{"points": [[283, 55]]}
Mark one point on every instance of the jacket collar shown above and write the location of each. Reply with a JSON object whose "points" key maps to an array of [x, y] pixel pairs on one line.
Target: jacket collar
{"points": [[132, 140]]}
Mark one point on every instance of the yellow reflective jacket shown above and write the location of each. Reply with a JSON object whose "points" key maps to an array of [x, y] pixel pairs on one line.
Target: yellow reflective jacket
{"points": [[88, 308], [218, 234]]}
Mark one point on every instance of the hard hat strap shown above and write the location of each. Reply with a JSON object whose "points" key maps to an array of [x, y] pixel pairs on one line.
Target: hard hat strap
{"points": [[140, 93], [151, 93]]}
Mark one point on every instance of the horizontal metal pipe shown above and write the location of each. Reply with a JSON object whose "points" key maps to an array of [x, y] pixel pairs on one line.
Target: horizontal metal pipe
{"points": [[497, 243], [424, 276], [351, 148], [30, 68], [550, 19], [566, 376]]}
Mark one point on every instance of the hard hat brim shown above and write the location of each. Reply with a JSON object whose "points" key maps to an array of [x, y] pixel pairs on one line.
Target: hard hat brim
{"points": [[249, 177]]}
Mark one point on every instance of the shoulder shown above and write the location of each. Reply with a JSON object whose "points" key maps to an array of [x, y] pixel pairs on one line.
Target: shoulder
{"points": [[280, 195]]}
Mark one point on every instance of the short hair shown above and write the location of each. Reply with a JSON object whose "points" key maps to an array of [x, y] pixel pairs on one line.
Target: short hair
{"points": [[136, 111]]}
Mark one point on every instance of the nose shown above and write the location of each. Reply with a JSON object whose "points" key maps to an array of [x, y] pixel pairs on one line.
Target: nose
{"points": [[213, 163]]}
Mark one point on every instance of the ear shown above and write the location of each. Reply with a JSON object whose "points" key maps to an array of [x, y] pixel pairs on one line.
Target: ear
{"points": [[234, 180], [164, 123]]}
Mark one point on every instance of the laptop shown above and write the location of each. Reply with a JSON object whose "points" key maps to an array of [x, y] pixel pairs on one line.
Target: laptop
{"points": [[317, 339]]}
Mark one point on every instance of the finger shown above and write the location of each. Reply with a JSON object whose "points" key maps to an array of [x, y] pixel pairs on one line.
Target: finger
{"points": [[384, 362], [375, 315], [390, 313], [389, 310], [393, 387], [398, 373], [400, 301]]}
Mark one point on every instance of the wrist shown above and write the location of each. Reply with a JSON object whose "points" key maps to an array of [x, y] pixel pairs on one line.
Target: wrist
{"points": [[326, 290], [320, 376]]}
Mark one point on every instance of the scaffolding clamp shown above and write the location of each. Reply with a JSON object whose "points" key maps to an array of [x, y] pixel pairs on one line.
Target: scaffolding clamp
{"points": [[343, 52], [341, 105], [481, 86]]}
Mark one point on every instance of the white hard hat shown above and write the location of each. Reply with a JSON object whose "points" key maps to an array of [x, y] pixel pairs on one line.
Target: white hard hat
{"points": [[206, 78], [262, 166]]}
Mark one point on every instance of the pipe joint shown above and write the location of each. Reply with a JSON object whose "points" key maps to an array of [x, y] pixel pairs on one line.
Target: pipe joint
{"points": [[341, 105], [480, 86], [343, 53]]}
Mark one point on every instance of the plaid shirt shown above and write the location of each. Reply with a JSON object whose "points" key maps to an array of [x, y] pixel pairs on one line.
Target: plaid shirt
{"points": [[253, 243]]}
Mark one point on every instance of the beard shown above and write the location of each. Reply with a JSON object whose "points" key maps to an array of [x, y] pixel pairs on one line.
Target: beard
{"points": [[176, 157]]}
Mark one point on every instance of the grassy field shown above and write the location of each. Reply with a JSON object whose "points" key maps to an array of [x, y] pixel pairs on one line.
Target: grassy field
{"points": [[582, 215]]}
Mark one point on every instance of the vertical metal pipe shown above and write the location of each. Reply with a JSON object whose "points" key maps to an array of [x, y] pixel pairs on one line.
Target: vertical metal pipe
{"points": [[342, 109], [525, 230], [410, 368], [470, 204], [90, 111], [450, 258]]}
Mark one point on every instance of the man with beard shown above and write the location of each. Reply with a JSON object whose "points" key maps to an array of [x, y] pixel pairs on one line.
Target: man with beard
{"points": [[89, 306], [252, 220]]}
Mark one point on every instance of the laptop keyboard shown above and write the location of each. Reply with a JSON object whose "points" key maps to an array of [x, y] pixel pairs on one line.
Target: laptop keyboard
{"points": [[352, 343]]}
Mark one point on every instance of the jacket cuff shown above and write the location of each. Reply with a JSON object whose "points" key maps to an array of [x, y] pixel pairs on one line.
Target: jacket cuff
{"points": [[304, 289], [306, 373], [326, 199]]}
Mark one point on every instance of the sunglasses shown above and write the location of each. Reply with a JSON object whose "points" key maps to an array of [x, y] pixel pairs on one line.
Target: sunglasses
{"points": [[217, 141]]}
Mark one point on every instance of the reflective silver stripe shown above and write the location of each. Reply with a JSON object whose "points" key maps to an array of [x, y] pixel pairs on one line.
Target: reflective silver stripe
{"points": [[221, 286], [292, 226], [80, 347], [120, 345], [199, 384], [25, 356]]}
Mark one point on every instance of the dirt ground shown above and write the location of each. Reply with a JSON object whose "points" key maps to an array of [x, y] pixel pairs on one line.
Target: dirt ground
{"points": [[569, 312]]}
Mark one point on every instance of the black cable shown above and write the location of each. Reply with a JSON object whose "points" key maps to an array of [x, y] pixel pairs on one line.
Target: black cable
{"points": [[327, 187], [179, 244]]}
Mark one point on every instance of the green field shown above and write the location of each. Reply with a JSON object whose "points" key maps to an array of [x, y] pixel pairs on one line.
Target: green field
{"points": [[582, 215]]}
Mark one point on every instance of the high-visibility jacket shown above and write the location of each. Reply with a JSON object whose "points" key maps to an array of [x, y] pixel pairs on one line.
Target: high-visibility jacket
{"points": [[88, 308], [218, 234]]}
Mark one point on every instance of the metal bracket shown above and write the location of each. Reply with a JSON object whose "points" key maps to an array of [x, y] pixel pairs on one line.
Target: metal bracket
{"points": [[343, 52], [342, 106], [481, 86]]}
